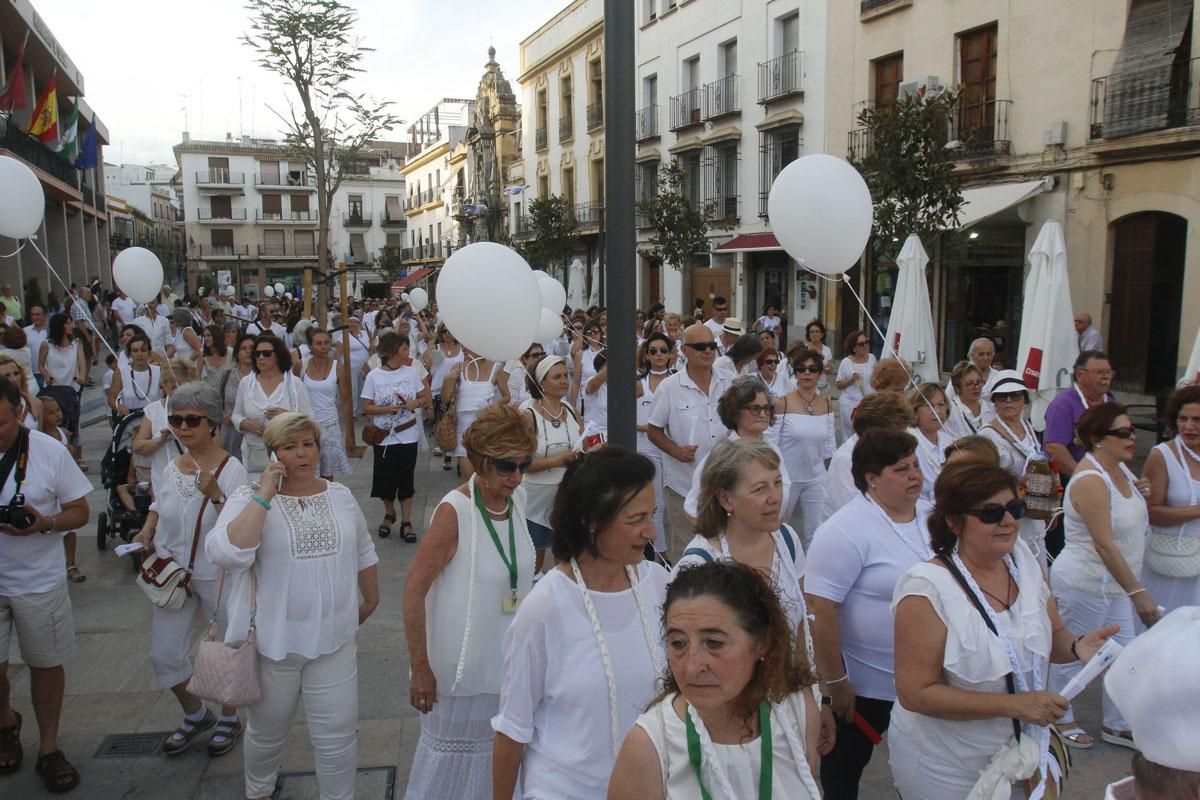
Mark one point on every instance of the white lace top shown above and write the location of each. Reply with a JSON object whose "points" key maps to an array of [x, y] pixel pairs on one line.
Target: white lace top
{"points": [[177, 501]]}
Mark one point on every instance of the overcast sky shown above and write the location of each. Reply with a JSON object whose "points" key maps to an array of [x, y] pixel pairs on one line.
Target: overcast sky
{"points": [[153, 69]]}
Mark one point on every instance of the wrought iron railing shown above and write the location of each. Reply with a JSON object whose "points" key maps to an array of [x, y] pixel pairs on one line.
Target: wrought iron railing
{"points": [[595, 115], [647, 123], [219, 251], [566, 127], [859, 143], [286, 216], [777, 147], [979, 130], [685, 110], [220, 177], [1139, 101], [721, 97], [781, 77], [539, 139], [356, 220], [208, 215]]}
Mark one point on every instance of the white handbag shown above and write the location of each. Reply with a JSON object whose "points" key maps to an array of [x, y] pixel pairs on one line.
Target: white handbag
{"points": [[1174, 554], [228, 673]]}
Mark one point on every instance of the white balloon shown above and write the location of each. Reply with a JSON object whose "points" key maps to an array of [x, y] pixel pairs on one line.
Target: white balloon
{"points": [[279, 288], [404, 297], [22, 200], [419, 298], [230, 291], [550, 327], [821, 212], [552, 293], [269, 291], [287, 296], [139, 273], [489, 299]]}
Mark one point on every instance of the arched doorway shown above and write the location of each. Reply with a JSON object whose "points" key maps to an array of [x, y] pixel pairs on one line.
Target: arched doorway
{"points": [[1145, 300]]}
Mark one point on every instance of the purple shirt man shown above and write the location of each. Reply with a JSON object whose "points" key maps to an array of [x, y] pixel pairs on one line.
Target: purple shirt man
{"points": [[1093, 376]]}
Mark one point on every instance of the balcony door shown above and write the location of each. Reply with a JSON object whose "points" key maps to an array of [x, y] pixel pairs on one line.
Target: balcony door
{"points": [[977, 78], [888, 72], [269, 172]]}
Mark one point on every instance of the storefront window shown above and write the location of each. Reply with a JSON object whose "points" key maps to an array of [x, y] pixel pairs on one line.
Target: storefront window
{"points": [[982, 292]]}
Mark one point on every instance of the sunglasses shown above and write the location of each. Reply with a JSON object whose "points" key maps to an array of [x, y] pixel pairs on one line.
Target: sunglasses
{"points": [[654, 351], [993, 513], [811, 369], [702, 346], [771, 362], [507, 466], [185, 421], [1008, 397], [863, 343], [263, 353], [1123, 433], [537, 355]]}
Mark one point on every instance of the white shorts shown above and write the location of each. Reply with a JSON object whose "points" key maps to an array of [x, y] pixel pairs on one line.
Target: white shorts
{"points": [[44, 625]]}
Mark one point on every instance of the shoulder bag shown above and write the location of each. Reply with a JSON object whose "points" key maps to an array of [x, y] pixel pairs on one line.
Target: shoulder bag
{"points": [[163, 579], [228, 673], [445, 432], [1172, 553]]}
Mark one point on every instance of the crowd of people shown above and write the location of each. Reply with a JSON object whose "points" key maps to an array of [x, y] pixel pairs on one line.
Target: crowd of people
{"points": [[747, 603]]}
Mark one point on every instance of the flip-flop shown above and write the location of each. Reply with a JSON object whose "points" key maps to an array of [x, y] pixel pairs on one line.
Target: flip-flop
{"points": [[1076, 737], [1119, 738]]}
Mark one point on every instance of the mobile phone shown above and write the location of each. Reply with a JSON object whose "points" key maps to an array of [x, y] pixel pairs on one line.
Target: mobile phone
{"points": [[279, 484]]}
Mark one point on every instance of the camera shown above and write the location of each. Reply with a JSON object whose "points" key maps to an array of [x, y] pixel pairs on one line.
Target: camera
{"points": [[16, 514]]}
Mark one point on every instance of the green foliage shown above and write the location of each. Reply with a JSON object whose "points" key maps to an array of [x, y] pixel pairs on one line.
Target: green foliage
{"points": [[680, 236], [389, 264], [554, 239], [908, 170], [208, 283]]}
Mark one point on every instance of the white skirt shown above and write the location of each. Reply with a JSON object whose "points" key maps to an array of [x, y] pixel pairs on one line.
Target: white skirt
{"points": [[454, 755], [334, 461]]}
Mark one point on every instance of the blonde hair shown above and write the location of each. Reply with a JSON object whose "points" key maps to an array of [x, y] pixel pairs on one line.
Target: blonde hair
{"points": [[496, 432], [287, 426], [24, 384], [722, 472], [180, 370], [890, 375]]}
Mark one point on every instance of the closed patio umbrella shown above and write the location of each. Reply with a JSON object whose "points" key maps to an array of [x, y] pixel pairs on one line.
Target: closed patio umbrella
{"points": [[575, 281], [1049, 345], [1192, 373], [910, 328]]}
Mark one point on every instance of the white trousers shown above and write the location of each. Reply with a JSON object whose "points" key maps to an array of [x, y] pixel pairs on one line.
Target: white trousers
{"points": [[171, 634], [660, 503], [328, 686], [1083, 612], [810, 496]]}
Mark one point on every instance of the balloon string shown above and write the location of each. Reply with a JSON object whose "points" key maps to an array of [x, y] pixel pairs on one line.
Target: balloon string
{"points": [[20, 247], [67, 289]]}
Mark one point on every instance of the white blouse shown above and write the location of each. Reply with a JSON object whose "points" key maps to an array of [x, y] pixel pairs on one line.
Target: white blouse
{"points": [[253, 402], [306, 567], [177, 502]]}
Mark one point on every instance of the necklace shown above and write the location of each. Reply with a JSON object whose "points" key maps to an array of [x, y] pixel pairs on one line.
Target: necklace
{"points": [[1007, 600], [766, 758], [808, 401], [555, 419], [922, 549], [666, 371], [509, 604]]}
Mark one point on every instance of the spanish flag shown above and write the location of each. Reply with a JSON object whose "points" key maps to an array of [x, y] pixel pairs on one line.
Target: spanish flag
{"points": [[44, 124]]}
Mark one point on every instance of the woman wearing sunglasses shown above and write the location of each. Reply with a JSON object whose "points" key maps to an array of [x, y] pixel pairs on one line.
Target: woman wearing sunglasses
{"points": [[1097, 576], [977, 612], [186, 506], [654, 365], [805, 435], [854, 377], [815, 341], [243, 365], [471, 572], [779, 382], [268, 392]]}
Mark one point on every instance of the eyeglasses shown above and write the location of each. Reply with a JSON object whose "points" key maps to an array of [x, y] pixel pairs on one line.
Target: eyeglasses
{"points": [[702, 346], [655, 351], [862, 343], [811, 369], [263, 353], [185, 421], [993, 513], [1007, 397], [757, 410], [537, 355], [507, 466], [771, 362], [1100, 373], [1123, 433]]}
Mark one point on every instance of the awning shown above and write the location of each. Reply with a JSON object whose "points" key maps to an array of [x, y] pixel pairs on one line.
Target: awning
{"points": [[987, 201], [410, 279], [750, 243]]}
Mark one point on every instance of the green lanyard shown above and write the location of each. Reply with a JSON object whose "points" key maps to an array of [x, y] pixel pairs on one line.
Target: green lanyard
{"points": [[767, 759], [510, 560]]}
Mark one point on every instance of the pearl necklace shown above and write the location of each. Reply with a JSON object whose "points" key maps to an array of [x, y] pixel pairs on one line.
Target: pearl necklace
{"points": [[555, 419], [660, 371]]}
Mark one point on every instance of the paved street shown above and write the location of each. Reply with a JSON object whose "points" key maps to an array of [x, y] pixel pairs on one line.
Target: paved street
{"points": [[110, 688]]}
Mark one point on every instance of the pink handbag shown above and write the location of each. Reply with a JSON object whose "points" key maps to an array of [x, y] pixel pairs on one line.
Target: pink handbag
{"points": [[228, 673]]}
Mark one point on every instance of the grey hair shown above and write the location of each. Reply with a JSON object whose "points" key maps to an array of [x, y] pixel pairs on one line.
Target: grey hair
{"points": [[182, 317], [723, 472], [198, 394], [740, 394]]}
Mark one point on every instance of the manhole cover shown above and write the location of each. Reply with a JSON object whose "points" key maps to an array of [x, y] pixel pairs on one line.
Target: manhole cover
{"points": [[375, 783], [132, 745]]}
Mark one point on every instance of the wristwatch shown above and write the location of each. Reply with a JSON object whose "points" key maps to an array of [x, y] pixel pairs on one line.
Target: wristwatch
{"points": [[826, 700]]}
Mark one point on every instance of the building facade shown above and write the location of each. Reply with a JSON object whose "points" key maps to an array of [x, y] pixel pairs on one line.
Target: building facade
{"points": [[144, 212], [1089, 115], [368, 215]]}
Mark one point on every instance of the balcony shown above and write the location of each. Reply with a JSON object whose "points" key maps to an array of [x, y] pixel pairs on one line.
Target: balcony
{"points": [[1141, 101], [595, 115], [220, 180], [588, 215], [284, 251], [566, 128], [979, 130], [386, 220], [418, 200], [36, 154], [721, 98], [286, 216], [219, 251], [685, 110], [781, 77], [356, 220], [358, 261], [647, 123], [295, 181], [423, 252], [522, 226], [230, 215], [539, 139], [859, 144]]}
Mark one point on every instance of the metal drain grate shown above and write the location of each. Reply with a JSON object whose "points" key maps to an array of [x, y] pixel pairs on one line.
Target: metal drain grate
{"points": [[375, 783], [132, 745]]}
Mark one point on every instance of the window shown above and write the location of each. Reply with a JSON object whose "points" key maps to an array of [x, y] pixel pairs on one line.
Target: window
{"points": [[358, 248], [647, 180], [598, 181], [222, 242], [300, 204], [272, 206], [977, 78], [218, 169], [788, 31], [887, 73], [649, 91], [690, 163], [222, 207], [355, 202], [273, 243], [566, 110], [595, 81], [391, 204], [393, 241], [777, 148], [727, 62], [649, 11], [543, 184], [691, 74], [297, 177], [306, 243], [269, 173], [568, 187], [721, 179]]}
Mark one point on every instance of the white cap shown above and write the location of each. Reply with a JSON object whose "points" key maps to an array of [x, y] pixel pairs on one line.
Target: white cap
{"points": [[1007, 380], [1155, 683]]}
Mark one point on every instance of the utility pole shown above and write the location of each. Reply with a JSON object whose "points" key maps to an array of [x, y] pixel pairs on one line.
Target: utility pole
{"points": [[344, 380], [620, 243]]}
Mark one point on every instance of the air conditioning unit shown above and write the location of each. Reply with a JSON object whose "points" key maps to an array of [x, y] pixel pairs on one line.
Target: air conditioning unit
{"points": [[1055, 134], [928, 86]]}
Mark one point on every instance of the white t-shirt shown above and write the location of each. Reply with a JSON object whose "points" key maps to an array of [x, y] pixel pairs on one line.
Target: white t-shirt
{"points": [[839, 481], [385, 387], [34, 339], [691, 501], [688, 416], [158, 330], [856, 558], [554, 694], [255, 328], [30, 564], [125, 308]]}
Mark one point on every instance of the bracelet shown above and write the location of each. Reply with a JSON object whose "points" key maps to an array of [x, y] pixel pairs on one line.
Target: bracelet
{"points": [[53, 524], [845, 677], [261, 502], [1135, 592], [1075, 652]]}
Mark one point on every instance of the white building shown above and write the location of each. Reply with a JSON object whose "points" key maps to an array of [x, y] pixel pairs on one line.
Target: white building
{"points": [[732, 92], [143, 187], [368, 212]]}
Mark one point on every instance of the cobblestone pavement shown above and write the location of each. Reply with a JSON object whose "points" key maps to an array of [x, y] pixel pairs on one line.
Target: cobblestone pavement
{"points": [[110, 685]]}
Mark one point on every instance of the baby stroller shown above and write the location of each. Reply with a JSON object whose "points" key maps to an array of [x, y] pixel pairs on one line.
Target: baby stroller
{"points": [[117, 521]]}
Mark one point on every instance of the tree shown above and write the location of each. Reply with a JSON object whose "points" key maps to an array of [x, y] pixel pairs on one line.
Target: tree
{"points": [[908, 168], [389, 263], [310, 44], [680, 226], [553, 238]]}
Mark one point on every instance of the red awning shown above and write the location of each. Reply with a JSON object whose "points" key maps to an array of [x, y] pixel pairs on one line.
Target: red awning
{"points": [[410, 279], [750, 243]]}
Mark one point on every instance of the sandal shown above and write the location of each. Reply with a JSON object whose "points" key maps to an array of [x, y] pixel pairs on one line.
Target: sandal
{"points": [[407, 533], [447, 462], [188, 730], [1076, 737], [1119, 738], [11, 753], [385, 529], [58, 775], [74, 575], [225, 736]]}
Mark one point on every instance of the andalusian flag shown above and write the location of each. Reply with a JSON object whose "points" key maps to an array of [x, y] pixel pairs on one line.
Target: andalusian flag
{"points": [[68, 143], [44, 123]]}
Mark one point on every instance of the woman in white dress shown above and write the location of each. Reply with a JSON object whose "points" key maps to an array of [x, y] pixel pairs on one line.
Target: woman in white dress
{"points": [[214, 362], [806, 437], [184, 344], [447, 355], [928, 402], [654, 362], [854, 377], [595, 397], [461, 593], [300, 545], [1097, 576], [472, 384], [243, 365], [321, 379], [268, 392], [186, 506], [583, 355], [775, 375], [360, 353], [968, 412], [1172, 571], [583, 657], [733, 718], [135, 385], [815, 339], [968, 621], [64, 371]]}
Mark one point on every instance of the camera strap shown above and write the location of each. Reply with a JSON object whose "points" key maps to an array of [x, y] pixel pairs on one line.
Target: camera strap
{"points": [[17, 456]]}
